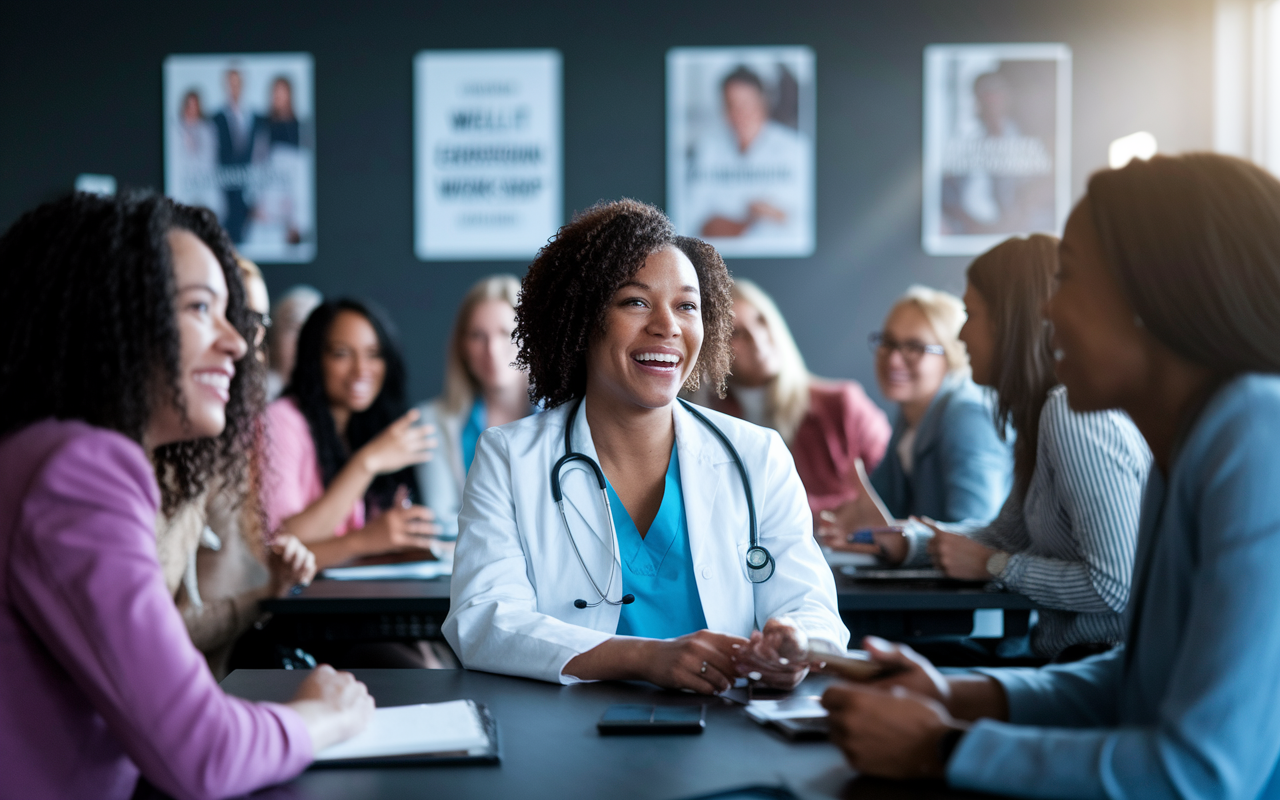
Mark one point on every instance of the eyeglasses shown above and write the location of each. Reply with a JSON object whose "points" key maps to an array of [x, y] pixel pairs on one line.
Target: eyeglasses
{"points": [[912, 350]]}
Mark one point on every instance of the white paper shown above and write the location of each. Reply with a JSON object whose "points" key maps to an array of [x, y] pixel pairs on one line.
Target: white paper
{"points": [[488, 141], [408, 730], [412, 570], [804, 707]]}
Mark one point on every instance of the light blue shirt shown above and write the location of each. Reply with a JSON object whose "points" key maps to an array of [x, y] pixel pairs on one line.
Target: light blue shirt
{"points": [[658, 569], [471, 432], [1188, 708]]}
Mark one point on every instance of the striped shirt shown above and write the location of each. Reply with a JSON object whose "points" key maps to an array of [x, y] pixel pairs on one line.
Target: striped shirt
{"points": [[1071, 534]]}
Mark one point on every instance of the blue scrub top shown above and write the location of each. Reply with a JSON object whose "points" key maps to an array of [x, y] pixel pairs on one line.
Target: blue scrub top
{"points": [[658, 569], [471, 432]]}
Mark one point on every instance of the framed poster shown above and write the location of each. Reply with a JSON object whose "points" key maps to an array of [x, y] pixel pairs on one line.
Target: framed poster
{"points": [[997, 144], [740, 133], [488, 141], [240, 139]]}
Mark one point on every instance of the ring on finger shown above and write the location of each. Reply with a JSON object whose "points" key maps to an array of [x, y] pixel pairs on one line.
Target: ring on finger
{"points": [[703, 671]]}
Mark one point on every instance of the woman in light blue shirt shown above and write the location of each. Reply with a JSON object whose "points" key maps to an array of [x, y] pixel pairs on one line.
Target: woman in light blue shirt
{"points": [[482, 389], [1169, 308]]}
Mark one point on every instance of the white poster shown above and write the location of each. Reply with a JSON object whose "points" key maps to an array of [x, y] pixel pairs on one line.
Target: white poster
{"points": [[997, 144], [740, 132], [240, 139], [487, 151]]}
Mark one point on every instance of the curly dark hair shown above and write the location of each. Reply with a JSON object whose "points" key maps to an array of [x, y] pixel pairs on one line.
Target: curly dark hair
{"points": [[565, 295], [306, 387], [87, 328]]}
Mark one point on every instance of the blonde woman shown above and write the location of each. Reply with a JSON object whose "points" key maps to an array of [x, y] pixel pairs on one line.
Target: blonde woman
{"points": [[481, 390], [946, 460], [827, 424]]}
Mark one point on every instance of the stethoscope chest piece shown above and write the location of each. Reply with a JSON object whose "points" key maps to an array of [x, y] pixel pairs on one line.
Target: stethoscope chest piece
{"points": [[760, 564]]}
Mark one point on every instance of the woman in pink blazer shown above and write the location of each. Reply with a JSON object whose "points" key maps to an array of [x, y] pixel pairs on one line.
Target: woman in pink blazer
{"points": [[828, 424], [122, 356]]}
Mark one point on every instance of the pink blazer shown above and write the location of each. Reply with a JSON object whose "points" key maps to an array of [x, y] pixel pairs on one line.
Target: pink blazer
{"points": [[99, 679], [842, 424], [292, 480]]}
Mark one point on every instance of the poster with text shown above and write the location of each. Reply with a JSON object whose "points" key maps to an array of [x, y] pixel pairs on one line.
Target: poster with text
{"points": [[997, 144], [488, 152], [740, 131], [240, 139]]}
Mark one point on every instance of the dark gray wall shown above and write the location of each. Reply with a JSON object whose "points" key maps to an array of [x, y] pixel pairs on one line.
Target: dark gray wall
{"points": [[80, 91]]}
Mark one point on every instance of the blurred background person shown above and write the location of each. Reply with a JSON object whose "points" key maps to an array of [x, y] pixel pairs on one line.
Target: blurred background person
{"points": [[750, 174], [827, 424], [287, 318], [341, 442], [482, 389], [341, 448], [1066, 535], [945, 461]]}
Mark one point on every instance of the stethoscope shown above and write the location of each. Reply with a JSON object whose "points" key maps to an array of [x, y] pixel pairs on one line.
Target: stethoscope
{"points": [[760, 563]]}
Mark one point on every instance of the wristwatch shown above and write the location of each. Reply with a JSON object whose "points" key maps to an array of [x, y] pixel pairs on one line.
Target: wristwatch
{"points": [[997, 563]]}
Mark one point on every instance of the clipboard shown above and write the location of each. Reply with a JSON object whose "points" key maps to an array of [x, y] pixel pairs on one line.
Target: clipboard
{"points": [[487, 753]]}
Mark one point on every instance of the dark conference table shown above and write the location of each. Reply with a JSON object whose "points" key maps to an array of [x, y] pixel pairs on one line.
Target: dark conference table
{"points": [[550, 747], [332, 610]]}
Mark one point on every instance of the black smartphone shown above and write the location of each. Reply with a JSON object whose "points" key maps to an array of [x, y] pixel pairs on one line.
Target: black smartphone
{"points": [[625, 719]]}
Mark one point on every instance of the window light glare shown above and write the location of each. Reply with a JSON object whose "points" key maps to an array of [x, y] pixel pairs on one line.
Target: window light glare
{"points": [[1140, 145]]}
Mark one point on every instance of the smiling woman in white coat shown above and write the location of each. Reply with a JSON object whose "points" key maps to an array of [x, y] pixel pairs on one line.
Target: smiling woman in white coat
{"points": [[623, 535]]}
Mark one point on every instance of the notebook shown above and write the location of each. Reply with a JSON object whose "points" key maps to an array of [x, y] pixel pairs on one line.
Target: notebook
{"points": [[457, 731], [411, 570]]}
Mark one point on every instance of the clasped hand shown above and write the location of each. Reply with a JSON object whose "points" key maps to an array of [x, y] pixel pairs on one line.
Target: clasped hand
{"points": [[893, 727], [709, 663]]}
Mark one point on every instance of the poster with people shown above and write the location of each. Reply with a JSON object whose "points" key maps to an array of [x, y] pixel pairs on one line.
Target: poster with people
{"points": [[488, 141], [740, 133], [997, 144], [240, 139]]}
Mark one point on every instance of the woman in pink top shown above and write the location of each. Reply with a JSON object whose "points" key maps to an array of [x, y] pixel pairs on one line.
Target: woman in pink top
{"points": [[828, 425], [340, 438], [120, 345]]}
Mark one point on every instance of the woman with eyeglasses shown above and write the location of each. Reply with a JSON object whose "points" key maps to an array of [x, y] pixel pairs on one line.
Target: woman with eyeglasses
{"points": [[946, 461], [1066, 535]]}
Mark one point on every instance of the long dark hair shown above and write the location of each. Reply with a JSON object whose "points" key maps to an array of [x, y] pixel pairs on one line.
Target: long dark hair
{"points": [[1015, 278], [88, 331], [1195, 241], [306, 387]]}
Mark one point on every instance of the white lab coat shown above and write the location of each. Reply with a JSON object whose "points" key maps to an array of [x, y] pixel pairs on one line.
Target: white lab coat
{"points": [[515, 575]]}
